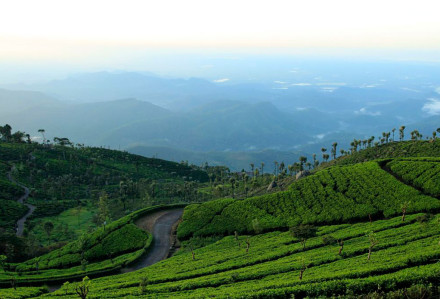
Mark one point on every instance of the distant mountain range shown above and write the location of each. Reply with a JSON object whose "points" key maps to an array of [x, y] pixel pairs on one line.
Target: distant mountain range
{"points": [[198, 121]]}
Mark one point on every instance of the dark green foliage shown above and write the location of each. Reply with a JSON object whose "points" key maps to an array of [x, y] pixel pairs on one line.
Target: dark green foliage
{"points": [[303, 232], [10, 212], [329, 240]]}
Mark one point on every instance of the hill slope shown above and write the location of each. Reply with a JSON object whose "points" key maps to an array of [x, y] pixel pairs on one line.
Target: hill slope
{"points": [[372, 235], [333, 195]]}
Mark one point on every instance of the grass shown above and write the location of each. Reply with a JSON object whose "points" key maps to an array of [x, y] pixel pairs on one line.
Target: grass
{"points": [[68, 225]]}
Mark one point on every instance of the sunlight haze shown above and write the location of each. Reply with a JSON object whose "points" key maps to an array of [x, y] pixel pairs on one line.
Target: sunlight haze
{"points": [[33, 29]]}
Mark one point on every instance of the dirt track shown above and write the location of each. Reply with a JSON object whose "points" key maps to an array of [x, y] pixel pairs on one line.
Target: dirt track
{"points": [[22, 220]]}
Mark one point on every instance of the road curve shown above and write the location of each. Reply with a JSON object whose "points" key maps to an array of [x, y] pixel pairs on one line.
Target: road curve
{"points": [[163, 222], [31, 208]]}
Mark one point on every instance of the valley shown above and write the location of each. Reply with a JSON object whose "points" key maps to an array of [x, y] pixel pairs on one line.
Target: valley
{"points": [[362, 223]]}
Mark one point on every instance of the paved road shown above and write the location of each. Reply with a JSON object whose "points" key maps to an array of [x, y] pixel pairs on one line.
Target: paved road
{"points": [[22, 220], [162, 240]]}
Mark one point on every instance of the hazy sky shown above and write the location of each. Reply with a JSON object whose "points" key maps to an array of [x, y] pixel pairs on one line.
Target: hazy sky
{"points": [[46, 27]]}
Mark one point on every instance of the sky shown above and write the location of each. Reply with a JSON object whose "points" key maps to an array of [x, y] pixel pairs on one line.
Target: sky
{"points": [[40, 27], [110, 34]]}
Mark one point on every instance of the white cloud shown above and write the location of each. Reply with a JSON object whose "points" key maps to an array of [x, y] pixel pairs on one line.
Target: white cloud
{"points": [[332, 84], [437, 90], [301, 84], [279, 82], [280, 88], [409, 89], [221, 80], [432, 107], [364, 111], [328, 89]]}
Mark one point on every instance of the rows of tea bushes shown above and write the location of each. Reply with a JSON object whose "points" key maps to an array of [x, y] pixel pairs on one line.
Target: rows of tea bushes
{"points": [[21, 293], [391, 150], [334, 195], [107, 249], [406, 252], [422, 173]]}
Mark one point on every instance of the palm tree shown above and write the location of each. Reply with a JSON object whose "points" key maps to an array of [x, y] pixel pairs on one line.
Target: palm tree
{"points": [[275, 167], [252, 168], [393, 130], [402, 133], [291, 169], [6, 132], [262, 168], [282, 165], [42, 133], [302, 161], [323, 150], [232, 181], [334, 146]]}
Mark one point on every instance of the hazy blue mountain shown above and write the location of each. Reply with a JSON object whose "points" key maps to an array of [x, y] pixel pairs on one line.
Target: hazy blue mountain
{"points": [[236, 161], [219, 126], [84, 123], [15, 101]]}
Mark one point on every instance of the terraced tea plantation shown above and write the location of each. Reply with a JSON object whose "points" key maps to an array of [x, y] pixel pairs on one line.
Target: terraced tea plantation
{"points": [[337, 194], [368, 228], [406, 252]]}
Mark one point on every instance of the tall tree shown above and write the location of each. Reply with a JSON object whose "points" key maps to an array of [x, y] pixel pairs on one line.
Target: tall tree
{"points": [[334, 146], [402, 133], [103, 209], [42, 131], [302, 161]]}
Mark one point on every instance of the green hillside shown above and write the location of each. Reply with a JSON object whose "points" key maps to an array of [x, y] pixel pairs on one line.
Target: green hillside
{"points": [[338, 194], [406, 252], [409, 148], [10, 209], [367, 226], [66, 185], [107, 249]]}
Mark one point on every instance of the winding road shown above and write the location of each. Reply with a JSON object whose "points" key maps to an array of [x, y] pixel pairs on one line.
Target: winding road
{"points": [[160, 224], [22, 199]]}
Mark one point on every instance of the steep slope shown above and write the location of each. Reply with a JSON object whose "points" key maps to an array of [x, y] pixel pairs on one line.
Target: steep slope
{"points": [[62, 177], [333, 195]]}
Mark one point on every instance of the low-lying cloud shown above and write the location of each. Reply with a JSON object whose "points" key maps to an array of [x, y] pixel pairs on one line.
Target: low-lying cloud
{"points": [[432, 107], [364, 111], [222, 80]]}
